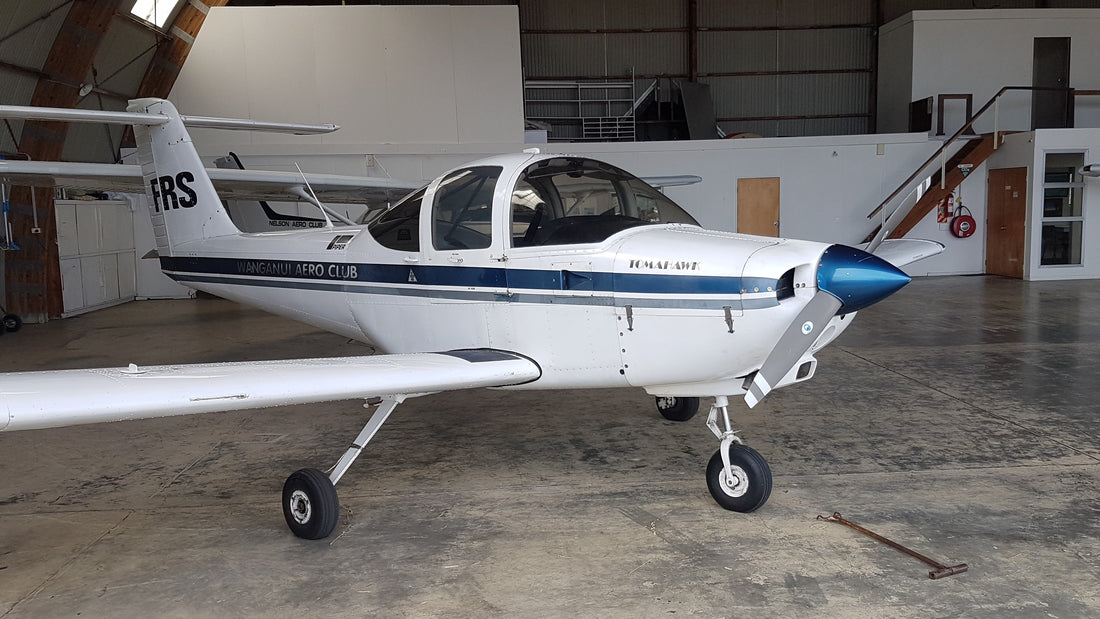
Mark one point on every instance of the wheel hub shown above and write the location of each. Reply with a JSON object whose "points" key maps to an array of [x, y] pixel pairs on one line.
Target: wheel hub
{"points": [[666, 402], [300, 508], [734, 480]]}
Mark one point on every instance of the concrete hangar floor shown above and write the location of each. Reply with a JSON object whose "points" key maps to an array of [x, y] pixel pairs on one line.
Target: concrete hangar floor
{"points": [[958, 417]]}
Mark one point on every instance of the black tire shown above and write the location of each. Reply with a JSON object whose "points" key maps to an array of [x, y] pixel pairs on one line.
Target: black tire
{"points": [[12, 322], [677, 409], [753, 485], [310, 504]]}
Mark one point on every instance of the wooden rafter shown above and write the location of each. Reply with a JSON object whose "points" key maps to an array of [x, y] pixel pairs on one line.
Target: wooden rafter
{"points": [[33, 274]]}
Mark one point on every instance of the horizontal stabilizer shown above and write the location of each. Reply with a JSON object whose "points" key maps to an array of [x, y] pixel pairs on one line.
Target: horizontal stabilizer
{"points": [[230, 184], [48, 399], [142, 118]]}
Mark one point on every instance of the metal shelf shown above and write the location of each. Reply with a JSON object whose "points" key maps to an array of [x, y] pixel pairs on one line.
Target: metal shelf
{"points": [[598, 110]]}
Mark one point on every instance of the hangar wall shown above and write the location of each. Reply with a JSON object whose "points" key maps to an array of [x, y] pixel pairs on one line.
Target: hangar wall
{"points": [[408, 74], [926, 53]]}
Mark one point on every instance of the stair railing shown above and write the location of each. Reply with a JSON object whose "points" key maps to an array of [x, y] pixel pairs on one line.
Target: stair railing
{"points": [[887, 224]]}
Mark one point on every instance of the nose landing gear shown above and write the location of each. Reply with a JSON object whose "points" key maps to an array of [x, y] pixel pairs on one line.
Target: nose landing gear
{"points": [[738, 477]]}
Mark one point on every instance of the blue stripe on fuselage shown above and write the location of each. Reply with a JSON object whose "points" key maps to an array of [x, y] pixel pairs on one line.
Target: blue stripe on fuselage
{"points": [[322, 272]]}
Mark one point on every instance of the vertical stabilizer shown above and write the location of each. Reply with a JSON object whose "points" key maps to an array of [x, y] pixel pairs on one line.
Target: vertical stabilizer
{"points": [[182, 201]]}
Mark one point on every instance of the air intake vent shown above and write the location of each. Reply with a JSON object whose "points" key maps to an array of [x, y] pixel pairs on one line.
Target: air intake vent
{"points": [[784, 289]]}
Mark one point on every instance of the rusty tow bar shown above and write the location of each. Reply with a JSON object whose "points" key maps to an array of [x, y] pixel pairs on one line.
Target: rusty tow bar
{"points": [[940, 571]]}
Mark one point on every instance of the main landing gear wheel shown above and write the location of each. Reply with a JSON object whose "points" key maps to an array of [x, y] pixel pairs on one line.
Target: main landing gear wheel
{"points": [[677, 409], [749, 483], [11, 322], [310, 504]]}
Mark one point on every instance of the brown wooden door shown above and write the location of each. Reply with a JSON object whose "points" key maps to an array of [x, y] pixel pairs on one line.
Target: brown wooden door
{"points": [[1006, 212], [758, 206]]}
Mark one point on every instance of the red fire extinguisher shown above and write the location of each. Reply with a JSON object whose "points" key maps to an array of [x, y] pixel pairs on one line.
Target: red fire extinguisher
{"points": [[943, 211], [963, 224]]}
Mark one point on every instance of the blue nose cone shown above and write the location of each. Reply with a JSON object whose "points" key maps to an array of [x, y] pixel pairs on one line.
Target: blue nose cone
{"points": [[858, 279]]}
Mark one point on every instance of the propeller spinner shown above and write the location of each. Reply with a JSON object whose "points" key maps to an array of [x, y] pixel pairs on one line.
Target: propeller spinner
{"points": [[848, 280]]}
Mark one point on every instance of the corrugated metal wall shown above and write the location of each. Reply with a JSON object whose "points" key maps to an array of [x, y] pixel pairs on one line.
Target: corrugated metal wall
{"points": [[775, 68], [27, 31]]}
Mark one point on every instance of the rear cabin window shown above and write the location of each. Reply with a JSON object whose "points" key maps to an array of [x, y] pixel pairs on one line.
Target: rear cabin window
{"points": [[462, 214], [571, 200], [399, 227]]}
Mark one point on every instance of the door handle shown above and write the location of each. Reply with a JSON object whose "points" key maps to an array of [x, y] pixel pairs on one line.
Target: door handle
{"points": [[454, 259], [412, 259]]}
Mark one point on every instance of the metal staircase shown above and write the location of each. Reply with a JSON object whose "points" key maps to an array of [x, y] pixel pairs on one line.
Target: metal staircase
{"points": [[973, 153], [906, 206]]}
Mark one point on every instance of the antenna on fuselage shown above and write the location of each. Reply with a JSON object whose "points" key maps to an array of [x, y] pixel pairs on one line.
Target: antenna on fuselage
{"points": [[324, 211]]}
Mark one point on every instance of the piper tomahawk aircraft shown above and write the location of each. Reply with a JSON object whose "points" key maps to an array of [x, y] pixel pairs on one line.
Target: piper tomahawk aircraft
{"points": [[522, 271]]}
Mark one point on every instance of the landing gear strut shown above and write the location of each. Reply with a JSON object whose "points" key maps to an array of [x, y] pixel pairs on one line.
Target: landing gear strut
{"points": [[310, 503], [738, 477]]}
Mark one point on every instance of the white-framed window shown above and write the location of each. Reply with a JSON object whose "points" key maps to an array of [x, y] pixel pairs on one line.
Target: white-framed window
{"points": [[155, 12], [1063, 210]]}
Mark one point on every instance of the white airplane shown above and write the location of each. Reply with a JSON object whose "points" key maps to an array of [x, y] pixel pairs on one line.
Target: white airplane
{"points": [[521, 271]]}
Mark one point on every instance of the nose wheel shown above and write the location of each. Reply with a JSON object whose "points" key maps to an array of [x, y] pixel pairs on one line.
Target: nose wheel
{"points": [[745, 485], [738, 477]]}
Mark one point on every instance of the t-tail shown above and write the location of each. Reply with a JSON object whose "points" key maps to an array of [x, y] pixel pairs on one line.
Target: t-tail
{"points": [[182, 200]]}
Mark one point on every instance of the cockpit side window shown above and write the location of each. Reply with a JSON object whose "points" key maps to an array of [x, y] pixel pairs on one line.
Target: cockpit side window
{"points": [[462, 214], [571, 200], [530, 206], [399, 227]]}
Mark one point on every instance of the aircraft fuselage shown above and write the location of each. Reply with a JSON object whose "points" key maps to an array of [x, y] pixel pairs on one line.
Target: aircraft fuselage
{"points": [[673, 308]]}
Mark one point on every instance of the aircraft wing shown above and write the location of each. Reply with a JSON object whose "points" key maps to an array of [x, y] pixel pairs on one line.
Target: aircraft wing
{"points": [[230, 184], [900, 252], [47, 399], [92, 176], [273, 185]]}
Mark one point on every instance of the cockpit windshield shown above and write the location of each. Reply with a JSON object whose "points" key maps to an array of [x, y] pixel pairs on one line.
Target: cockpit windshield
{"points": [[569, 200]]}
